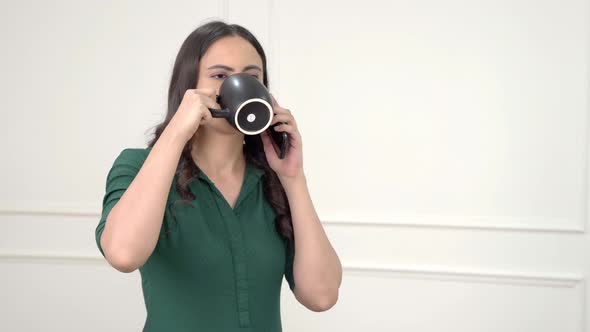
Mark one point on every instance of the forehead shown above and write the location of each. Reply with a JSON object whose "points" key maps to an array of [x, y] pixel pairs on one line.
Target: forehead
{"points": [[231, 51]]}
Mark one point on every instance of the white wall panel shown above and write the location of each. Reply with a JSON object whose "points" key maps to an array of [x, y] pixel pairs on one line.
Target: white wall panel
{"points": [[83, 80], [453, 112]]}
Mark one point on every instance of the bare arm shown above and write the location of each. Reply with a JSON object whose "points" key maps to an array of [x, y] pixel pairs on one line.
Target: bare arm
{"points": [[133, 225], [316, 267]]}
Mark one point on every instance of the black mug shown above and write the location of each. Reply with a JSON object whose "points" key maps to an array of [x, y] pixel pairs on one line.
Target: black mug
{"points": [[246, 104]]}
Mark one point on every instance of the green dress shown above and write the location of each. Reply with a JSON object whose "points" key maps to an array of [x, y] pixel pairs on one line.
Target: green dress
{"points": [[215, 268]]}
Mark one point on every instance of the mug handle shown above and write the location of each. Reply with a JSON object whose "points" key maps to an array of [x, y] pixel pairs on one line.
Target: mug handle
{"points": [[219, 113]]}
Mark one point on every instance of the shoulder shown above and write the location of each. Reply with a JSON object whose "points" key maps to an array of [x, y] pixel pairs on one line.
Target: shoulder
{"points": [[134, 157], [134, 153]]}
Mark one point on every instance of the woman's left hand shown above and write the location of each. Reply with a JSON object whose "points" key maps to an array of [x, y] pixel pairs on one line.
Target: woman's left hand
{"points": [[291, 166]]}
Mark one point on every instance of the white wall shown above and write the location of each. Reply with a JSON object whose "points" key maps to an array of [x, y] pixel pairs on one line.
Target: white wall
{"points": [[446, 147]]}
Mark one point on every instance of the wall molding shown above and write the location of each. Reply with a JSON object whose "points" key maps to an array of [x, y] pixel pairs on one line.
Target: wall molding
{"points": [[460, 223], [552, 280], [55, 257], [543, 280], [483, 223], [48, 212], [273, 49], [373, 270], [224, 9]]}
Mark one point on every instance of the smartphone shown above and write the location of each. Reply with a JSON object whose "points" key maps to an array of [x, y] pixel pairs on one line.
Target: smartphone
{"points": [[280, 139]]}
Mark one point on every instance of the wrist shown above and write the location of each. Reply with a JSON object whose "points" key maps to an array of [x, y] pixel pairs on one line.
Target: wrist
{"points": [[290, 182], [173, 138]]}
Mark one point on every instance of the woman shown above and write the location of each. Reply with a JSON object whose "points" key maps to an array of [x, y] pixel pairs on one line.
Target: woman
{"points": [[212, 218]]}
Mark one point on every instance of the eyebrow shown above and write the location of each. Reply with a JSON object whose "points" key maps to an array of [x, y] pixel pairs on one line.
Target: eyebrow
{"points": [[231, 69]]}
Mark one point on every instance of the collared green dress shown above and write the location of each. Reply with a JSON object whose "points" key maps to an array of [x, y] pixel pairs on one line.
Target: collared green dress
{"points": [[215, 268]]}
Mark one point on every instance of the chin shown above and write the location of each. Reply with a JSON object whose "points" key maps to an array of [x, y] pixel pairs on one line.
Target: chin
{"points": [[223, 127]]}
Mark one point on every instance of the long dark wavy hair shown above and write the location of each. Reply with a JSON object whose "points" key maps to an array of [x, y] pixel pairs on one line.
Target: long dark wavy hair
{"points": [[184, 76]]}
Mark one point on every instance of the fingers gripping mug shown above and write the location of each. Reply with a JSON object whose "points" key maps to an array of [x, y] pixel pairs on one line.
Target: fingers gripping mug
{"points": [[246, 104]]}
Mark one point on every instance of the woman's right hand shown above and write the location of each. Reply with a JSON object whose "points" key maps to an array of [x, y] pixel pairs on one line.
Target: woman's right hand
{"points": [[193, 111]]}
